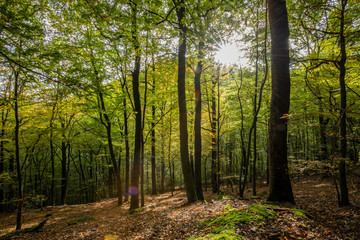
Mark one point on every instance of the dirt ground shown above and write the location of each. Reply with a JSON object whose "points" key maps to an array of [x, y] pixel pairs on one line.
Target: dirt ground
{"points": [[169, 217]]}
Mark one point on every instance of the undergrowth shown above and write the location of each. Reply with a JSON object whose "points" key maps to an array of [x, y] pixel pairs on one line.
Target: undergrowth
{"points": [[223, 225]]}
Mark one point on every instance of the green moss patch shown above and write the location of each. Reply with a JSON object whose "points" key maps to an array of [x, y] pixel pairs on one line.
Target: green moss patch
{"points": [[231, 217], [81, 220], [225, 235], [301, 213]]}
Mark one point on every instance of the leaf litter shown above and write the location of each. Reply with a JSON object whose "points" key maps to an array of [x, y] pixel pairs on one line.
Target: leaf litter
{"points": [[169, 217]]}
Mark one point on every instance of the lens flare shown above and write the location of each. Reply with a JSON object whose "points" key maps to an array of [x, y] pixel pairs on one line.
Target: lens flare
{"points": [[133, 191]]}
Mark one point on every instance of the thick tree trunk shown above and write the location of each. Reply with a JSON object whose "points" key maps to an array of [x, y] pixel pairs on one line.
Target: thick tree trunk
{"points": [[134, 188], [280, 185], [184, 151]]}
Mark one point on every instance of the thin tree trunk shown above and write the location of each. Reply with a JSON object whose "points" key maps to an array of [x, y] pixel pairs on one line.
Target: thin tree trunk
{"points": [[17, 154], [197, 125], [127, 152], [344, 195], [4, 117], [153, 142], [52, 156], [142, 160], [63, 167], [169, 155], [214, 167], [218, 129], [255, 103], [108, 127]]}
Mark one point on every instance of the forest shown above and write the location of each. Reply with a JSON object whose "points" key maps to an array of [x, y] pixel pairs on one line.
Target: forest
{"points": [[144, 112]]}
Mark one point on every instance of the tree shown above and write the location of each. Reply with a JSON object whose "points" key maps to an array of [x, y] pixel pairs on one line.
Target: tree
{"points": [[344, 194], [184, 151], [134, 203], [280, 185]]}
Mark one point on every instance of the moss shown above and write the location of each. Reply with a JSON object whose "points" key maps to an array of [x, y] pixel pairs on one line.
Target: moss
{"points": [[80, 220], [301, 213], [222, 195], [224, 235], [109, 237], [141, 209], [256, 213]]}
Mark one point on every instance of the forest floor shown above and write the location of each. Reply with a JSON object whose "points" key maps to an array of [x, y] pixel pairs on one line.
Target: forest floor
{"points": [[169, 217]]}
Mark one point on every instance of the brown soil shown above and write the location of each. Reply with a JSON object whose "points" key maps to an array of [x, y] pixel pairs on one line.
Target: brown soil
{"points": [[169, 217]]}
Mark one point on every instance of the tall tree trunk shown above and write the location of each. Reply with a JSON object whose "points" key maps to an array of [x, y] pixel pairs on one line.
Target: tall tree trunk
{"points": [[52, 156], [142, 160], [17, 153], [63, 166], [218, 129], [214, 167], [163, 164], [197, 125], [169, 155], [153, 142], [127, 152], [280, 185], [344, 195], [255, 104], [134, 189], [322, 126], [184, 151], [4, 117], [108, 127]]}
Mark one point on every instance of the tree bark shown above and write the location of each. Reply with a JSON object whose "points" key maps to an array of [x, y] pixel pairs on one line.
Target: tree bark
{"points": [[127, 152], [344, 195], [214, 167], [52, 157], [184, 151], [63, 167], [197, 125], [153, 142], [108, 127], [4, 118], [17, 154], [280, 185]]}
